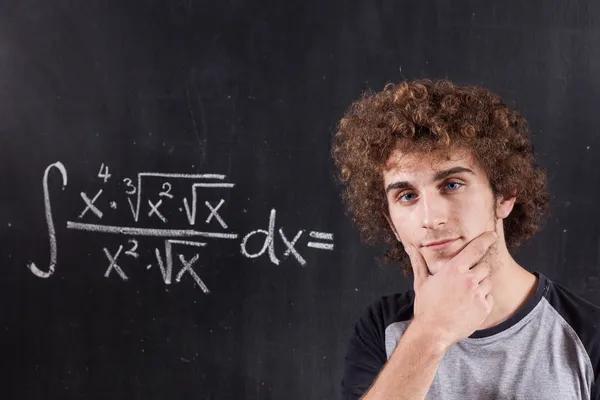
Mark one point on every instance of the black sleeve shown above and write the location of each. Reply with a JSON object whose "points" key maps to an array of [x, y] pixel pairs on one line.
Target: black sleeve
{"points": [[595, 392], [365, 355], [594, 354]]}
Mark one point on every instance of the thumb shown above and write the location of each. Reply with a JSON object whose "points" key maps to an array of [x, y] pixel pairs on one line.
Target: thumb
{"points": [[419, 266]]}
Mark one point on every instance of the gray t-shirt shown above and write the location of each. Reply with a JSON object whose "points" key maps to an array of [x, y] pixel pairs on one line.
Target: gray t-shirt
{"points": [[550, 349]]}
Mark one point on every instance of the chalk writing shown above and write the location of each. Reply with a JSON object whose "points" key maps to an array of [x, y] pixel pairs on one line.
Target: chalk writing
{"points": [[186, 238], [49, 222]]}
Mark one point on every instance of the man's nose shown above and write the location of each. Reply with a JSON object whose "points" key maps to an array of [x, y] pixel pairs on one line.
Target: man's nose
{"points": [[433, 210]]}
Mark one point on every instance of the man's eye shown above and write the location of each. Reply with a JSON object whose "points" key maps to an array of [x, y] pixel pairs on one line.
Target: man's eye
{"points": [[458, 185], [403, 196]]}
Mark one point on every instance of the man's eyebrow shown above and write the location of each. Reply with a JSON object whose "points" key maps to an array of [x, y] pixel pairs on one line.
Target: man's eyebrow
{"points": [[455, 170], [440, 175]]}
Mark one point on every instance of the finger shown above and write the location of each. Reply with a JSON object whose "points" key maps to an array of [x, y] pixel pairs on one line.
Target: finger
{"points": [[485, 286], [473, 252], [419, 266], [480, 271], [490, 300]]}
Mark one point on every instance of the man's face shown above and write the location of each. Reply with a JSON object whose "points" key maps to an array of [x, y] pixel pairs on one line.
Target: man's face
{"points": [[434, 198]]}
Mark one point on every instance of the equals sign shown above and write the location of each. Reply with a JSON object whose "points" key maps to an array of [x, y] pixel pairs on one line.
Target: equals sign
{"points": [[322, 236]]}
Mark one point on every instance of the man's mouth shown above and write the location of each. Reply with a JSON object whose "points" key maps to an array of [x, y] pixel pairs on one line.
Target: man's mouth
{"points": [[439, 244]]}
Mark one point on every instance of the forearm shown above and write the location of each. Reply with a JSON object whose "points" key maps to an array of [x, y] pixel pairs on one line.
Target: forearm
{"points": [[409, 372]]}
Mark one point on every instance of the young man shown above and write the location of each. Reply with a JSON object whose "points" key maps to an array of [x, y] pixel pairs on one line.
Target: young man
{"points": [[447, 176]]}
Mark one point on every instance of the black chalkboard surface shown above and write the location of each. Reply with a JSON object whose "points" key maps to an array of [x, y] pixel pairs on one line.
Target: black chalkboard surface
{"points": [[169, 222]]}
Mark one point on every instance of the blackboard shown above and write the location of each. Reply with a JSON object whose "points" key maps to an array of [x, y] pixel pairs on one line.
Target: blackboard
{"points": [[179, 152]]}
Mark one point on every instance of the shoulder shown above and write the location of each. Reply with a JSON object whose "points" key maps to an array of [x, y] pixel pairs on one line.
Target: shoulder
{"points": [[386, 310], [581, 315], [366, 351]]}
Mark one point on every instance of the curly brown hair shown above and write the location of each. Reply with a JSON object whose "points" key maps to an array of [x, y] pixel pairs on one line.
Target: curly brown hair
{"points": [[428, 116]]}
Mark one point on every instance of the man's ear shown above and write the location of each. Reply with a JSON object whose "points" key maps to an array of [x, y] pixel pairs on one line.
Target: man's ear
{"points": [[504, 205], [391, 224]]}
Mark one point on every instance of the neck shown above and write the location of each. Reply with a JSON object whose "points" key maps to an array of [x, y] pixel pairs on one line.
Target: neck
{"points": [[512, 287]]}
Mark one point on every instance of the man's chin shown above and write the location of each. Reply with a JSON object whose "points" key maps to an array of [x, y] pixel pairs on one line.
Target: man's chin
{"points": [[443, 257]]}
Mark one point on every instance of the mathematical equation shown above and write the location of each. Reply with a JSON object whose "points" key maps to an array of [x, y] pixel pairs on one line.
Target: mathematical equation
{"points": [[155, 211]]}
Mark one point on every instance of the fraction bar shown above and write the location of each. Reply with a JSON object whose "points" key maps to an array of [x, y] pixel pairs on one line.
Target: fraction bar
{"points": [[131, 231]]}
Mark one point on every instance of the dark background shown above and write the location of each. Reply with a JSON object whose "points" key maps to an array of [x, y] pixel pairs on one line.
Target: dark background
{"points": [[251, 90]]}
